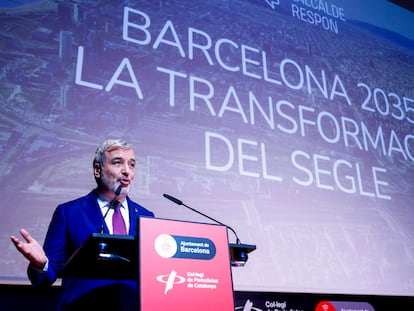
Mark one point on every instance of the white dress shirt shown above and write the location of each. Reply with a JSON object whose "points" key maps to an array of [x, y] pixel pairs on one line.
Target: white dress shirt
{"points": [[104, 205]]}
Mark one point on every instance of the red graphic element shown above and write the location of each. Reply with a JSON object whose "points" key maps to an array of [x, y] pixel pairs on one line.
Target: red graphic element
{"points": [[325, 306], [172, 283]]}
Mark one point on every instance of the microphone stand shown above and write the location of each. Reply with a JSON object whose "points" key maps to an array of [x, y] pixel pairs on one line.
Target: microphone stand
{"points": [[179, 202], [110, 205], [238, 252]]}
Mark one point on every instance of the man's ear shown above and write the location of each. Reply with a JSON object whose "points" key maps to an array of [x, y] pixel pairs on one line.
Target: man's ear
{"points": [[97, 170]]}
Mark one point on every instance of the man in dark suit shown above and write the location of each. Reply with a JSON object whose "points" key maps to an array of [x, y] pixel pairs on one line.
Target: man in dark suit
{"points": [[72, 223]]}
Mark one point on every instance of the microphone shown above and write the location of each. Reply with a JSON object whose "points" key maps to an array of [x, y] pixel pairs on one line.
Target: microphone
{"points": [[179, 202], [110, 205]]}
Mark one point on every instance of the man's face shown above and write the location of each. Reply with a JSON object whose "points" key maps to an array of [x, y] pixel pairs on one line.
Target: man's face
{"points": [[118, 169]]}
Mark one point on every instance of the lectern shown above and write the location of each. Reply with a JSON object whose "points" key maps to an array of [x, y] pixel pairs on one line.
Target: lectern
{"points": [[177, 264], [104, 256]]}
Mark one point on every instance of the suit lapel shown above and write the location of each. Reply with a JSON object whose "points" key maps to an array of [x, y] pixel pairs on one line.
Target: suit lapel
{"points": [[93, 212], [133, 215]]}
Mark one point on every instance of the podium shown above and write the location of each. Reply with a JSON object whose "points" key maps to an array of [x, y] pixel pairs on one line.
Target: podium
{"points": [[176, 264], [103, 256]]}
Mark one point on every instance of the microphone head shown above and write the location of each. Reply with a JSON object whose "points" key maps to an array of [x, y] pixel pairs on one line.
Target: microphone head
{"points": [[171, 198], [118, 190]]}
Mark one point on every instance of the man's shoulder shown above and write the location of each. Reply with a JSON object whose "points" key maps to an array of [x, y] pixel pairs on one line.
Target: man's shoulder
{"points": [[90, 197], [138, 208]]}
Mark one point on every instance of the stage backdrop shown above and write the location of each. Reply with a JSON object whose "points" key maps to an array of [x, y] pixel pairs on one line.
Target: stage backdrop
{"points": [[290, 121]]}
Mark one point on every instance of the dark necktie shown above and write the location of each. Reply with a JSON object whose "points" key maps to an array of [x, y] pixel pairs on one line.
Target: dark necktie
{"points": [[118, 223]]}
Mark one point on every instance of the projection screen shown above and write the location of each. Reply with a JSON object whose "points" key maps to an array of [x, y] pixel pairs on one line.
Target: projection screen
{"points": [[289, 121]]}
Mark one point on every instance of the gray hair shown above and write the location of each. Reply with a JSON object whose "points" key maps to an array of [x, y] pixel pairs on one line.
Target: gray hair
{"points": [[106, 145]]}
